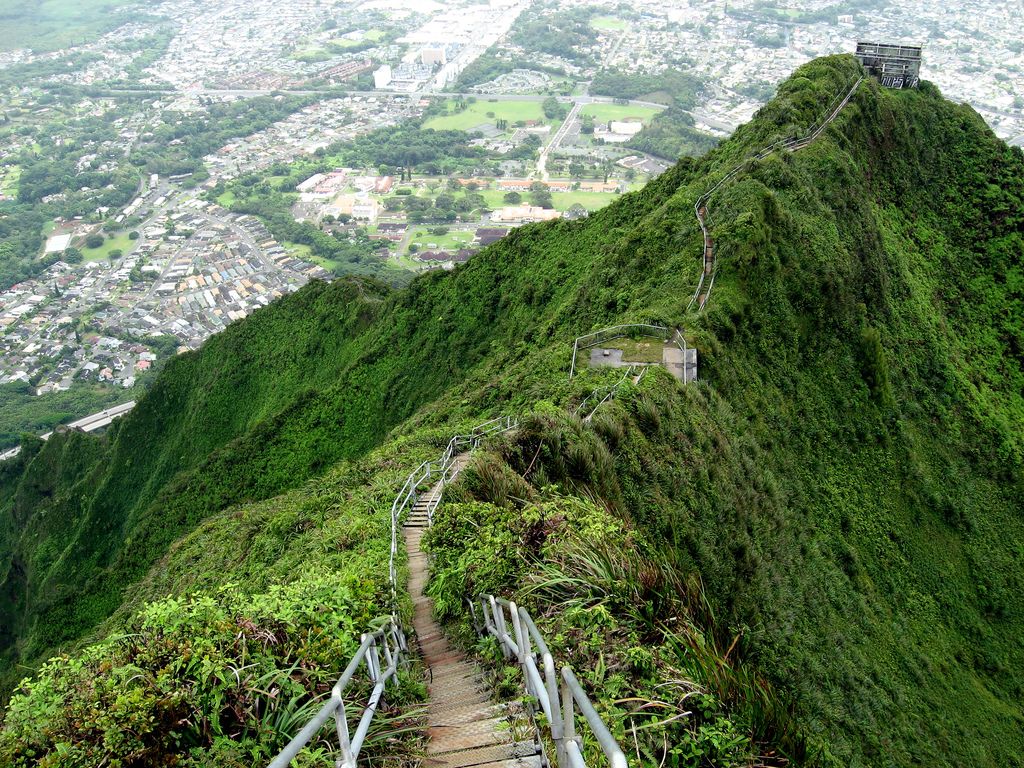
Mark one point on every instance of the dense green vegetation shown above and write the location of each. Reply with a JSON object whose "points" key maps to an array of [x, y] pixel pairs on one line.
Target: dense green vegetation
{"points": [[21, 410], [491, 65], [832, 513], [21, 231], [127, 489], [563, 32], [413, 149], [673, 87], [609, 600], [225, 677], [483, 69], [671, 134]]}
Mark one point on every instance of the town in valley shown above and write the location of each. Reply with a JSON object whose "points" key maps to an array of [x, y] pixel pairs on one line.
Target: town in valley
{"points": [[169, 168]]}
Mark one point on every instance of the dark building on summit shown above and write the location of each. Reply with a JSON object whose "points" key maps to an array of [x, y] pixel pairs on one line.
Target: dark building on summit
{"points": [[895, 66]]}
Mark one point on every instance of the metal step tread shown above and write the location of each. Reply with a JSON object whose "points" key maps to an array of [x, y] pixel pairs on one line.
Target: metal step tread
{"points": [[480, 755], [467, 712], [471, 735]]}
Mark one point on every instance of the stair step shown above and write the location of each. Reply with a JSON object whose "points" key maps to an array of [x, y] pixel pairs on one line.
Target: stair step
{"points": [[479, 707], [482, 733], [432, 643], [456, 677], [468, 713], [480, 756], [456, 691], [445, 711], [435, 649], [451, 661]]}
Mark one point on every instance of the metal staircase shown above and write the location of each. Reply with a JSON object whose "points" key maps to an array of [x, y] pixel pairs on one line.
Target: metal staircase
{"points": [[464, 726], [709, 255]]}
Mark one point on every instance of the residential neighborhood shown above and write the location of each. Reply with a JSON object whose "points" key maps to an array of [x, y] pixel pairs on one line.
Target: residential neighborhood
{"points": [[161, 234], [192, 273]]}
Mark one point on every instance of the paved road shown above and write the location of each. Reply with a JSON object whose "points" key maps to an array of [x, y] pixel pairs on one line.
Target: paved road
{"points": [[99, 420], [615, 48], [88, 424], [707, 119], [563, 129]]}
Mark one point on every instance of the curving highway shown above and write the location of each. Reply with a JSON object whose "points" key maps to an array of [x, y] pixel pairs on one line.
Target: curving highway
{"points": [[87, 424]]}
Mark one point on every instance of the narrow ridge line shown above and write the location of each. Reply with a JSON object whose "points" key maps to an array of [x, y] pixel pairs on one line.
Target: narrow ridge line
{"points": [[457, 675]]}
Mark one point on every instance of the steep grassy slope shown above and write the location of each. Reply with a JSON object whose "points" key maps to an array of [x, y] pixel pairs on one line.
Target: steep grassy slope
{"points": [[245, 624], [844, 481], [143, 488]]}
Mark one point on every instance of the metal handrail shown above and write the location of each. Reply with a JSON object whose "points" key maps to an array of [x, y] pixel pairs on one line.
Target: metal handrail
{"points": [[409, 493], [573, 693], [391, 641], [617, 332], [527, 646], [612, 389], [446, 465], [406, 498], [791, 144]]}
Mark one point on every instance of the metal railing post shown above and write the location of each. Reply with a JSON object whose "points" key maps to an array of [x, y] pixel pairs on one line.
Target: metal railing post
{"points": [[557, 722], [372, 662], [568, 715], [488, 617], [499, 623], [518, 629], [389, 658], [347, 759]]}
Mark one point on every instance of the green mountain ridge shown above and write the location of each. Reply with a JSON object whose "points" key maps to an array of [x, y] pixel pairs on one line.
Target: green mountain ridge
{"points": [[844, 481]]}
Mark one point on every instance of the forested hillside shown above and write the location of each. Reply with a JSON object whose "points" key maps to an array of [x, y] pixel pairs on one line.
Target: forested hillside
{"points": [[840, 491]]}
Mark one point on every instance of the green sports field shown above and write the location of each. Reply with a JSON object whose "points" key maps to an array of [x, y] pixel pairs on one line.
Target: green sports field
{"points": [[9, 180], [592, 201], [120, 242], [602, 113], [476, 115], [608, 23], [452, 240]]}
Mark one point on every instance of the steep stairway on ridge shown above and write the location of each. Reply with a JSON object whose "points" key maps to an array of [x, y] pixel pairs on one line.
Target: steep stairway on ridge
{"points": [[464, 727]]}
